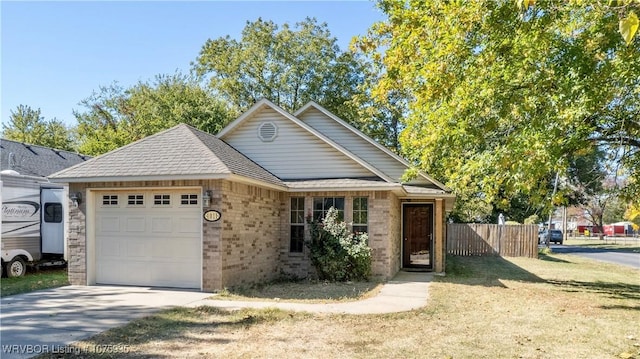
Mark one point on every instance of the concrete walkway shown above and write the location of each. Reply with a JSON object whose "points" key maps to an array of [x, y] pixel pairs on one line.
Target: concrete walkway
{"points": [[405, 292], [49, 320]]}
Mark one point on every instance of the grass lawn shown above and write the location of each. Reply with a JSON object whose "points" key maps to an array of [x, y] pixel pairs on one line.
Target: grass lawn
{"points": [[42, 279], [558, 306]]}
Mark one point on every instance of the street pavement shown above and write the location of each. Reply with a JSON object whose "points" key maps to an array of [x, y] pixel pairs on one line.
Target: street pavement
{"points": [[620, 257]]}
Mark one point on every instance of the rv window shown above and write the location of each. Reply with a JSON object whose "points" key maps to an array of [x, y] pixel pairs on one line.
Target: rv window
{"points": [[53, 212]]}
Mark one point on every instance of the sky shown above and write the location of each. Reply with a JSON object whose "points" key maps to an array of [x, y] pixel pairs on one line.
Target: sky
{"points": [[54, 54]]}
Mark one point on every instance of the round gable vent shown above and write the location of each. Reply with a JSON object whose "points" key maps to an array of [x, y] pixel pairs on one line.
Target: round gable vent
{"points": [[267, 131]]}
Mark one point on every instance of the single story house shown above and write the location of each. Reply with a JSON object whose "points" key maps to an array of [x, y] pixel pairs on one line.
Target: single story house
{"points": [[184, 208]]}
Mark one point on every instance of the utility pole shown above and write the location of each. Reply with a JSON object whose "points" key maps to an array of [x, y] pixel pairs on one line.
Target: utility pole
{"points": [[555, 188]]}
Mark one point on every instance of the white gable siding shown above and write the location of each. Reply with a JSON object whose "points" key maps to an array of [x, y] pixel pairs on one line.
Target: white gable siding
{"points": [[294, 153], [357, 145]]}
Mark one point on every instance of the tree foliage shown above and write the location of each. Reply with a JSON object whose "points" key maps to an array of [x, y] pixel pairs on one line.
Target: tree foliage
{"points": [[501, 98], [287, 65], [29, 126], [115, 116]]}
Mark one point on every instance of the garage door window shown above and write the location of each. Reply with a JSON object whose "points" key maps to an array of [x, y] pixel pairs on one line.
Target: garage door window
{"points": [[135, 200], [161, 199], [189, 199], [110, 200]]}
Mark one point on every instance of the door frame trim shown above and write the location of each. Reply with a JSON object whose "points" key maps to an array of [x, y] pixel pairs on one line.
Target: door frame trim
{"points": [[431, 265]]}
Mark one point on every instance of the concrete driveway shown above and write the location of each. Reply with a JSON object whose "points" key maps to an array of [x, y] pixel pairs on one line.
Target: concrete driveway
{"points": [[48, 320]]}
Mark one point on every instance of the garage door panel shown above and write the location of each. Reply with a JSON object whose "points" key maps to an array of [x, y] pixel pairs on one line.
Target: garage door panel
{"points": [[162, 224], [135, 249], [108, 224], [108, 247], [188, 225], [136, 224], [150, 244]]}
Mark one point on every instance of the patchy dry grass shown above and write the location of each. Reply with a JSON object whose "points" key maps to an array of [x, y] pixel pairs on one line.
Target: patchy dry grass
{"points": [[303, 291], [34, 280], [554, 307]]}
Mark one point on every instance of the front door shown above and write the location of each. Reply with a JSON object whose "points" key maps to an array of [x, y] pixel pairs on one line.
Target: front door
{"points": [[417, 236]]}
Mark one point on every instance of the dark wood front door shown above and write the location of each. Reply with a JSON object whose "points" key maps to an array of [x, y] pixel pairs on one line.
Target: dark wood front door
{"points": [[417, 236]]}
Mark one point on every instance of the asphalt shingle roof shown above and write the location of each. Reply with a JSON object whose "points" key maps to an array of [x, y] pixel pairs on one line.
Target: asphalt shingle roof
{"points": [[179, 151], [34, 160]]}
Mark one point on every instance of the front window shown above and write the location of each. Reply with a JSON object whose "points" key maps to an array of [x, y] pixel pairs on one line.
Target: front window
{"points": [[321, 206], [297, 225], [360, 214]]}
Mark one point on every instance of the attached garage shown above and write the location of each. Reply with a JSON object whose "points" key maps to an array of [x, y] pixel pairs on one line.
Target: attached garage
{"points": [[148, 237]]}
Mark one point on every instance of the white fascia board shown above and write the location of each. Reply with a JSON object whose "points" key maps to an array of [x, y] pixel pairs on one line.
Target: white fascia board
{"points": [[306, 127], [248, 113], [139, 178], [370, 140], [343, 189]]}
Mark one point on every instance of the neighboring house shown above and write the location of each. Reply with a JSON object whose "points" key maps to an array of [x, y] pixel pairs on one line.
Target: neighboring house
{"points": [[33, 160], [148, 215]]}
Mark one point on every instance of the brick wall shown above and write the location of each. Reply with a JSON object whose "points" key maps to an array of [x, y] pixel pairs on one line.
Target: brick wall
{"points": [[251, 232], [383, 229]]}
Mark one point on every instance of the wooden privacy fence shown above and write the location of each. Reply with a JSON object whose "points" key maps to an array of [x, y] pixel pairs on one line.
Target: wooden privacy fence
{"points": [[472, 239]]}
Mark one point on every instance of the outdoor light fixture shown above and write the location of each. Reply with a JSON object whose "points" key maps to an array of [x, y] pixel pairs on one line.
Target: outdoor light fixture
{"points": [[76, 198], [206, 198]]}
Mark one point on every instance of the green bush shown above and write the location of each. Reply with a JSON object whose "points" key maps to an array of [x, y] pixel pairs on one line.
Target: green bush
{"points": [[337, 254]]}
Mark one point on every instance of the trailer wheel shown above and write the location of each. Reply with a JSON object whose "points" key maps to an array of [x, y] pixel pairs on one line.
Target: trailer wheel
{"points": [[16, 267]]}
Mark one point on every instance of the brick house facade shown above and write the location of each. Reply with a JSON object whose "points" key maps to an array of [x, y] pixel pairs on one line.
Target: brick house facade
{"points": [[161, 186]]}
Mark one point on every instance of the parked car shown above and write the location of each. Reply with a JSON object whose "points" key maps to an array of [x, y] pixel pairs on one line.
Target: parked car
{"points": [[556, 236]]}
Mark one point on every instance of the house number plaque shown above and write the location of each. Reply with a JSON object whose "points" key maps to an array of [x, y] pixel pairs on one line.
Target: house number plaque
{"points": [[212, 216]]}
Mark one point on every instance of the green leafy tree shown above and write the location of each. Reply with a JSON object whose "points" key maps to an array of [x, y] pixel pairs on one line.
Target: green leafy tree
{"points": [[287, 65], [115, 116], [501, 98], [29, 126]]}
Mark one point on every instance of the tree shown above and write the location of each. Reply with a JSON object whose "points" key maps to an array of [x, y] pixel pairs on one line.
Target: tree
{"points": [[116, 116], [289, 66], [500, 99], [29, 126]]}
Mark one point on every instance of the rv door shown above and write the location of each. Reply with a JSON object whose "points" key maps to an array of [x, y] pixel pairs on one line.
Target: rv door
{"points": [[52, 224]]}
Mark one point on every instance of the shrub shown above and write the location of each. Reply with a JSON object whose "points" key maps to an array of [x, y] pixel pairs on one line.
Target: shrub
{"points": [[337, 254]]}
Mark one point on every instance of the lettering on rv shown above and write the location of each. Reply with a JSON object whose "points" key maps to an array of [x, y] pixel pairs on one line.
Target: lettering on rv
{"points": [[17, 210]]}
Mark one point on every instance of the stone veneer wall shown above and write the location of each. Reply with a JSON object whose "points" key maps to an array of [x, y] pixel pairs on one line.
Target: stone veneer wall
{"points": [[77, 239], [251, 232], [383, 226]]}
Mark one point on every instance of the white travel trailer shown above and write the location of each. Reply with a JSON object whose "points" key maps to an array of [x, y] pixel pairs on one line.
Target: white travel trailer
{"points": [[33, 222], [34, 211]]}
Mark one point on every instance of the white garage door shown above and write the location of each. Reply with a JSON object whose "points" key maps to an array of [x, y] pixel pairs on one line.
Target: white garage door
{"points": [[149, 238]]}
